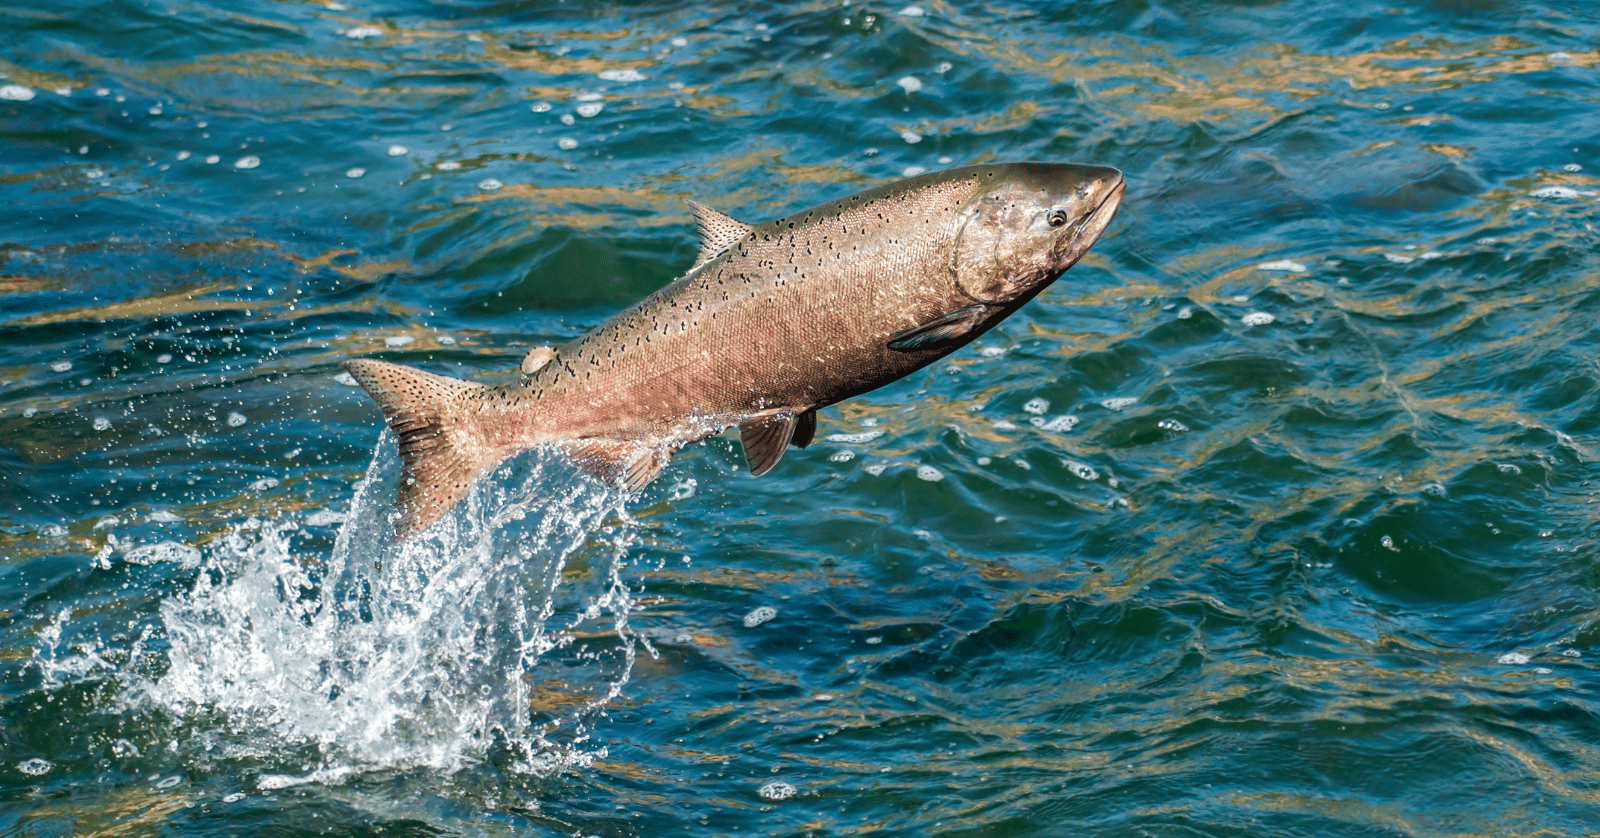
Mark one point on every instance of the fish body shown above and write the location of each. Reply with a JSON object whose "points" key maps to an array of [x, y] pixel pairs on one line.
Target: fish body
{"points": [[772, 322]]}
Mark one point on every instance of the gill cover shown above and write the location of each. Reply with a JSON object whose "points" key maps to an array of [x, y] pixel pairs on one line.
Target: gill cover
{"points": [[1003, 245]]}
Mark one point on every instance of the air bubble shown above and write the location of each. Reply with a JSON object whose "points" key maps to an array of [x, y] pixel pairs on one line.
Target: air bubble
{"points": [[35, 767], [1083, 471], [758, 615], [777, 790]]}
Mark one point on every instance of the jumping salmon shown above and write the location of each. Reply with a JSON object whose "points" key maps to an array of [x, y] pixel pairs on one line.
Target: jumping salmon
{"points": [[772, 322]]}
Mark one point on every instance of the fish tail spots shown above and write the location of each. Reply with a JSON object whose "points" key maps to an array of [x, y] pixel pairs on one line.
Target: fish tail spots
{"points": [[440, 451]]}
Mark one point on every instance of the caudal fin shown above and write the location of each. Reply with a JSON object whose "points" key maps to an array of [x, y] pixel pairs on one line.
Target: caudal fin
{"points": [[440, 452]]}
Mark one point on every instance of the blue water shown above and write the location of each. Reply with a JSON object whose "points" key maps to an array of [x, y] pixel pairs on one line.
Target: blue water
{"points": [[1275, 516]]}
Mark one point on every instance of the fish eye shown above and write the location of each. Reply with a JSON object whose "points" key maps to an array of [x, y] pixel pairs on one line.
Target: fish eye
{"points": [[1057, 218]]}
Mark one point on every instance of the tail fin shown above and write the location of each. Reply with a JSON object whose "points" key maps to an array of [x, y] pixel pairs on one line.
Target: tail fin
{"points": [[440, 452]]}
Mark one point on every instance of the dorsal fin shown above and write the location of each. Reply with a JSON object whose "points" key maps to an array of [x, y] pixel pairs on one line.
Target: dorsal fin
{"points": [[718, 232], [765, 438]]}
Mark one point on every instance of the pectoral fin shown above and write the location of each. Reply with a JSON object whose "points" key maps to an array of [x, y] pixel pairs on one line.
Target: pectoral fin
{"points": [[765, 439], [956, 325]]}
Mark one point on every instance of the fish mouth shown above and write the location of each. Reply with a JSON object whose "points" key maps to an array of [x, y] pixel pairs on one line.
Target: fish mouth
{"points": [[1088, 228], [1095, 223]]}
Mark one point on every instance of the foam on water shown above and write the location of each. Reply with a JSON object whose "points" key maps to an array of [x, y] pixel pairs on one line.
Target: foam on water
{"points": [[431, 654]]}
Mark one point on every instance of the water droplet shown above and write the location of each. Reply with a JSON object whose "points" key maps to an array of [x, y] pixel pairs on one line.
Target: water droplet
{"points": [[910, 84], [398, 151], [355, 172], [247, 162], [566, 143], [61, 366], [101, 423], [236, 419], [213, 159], [929, 473], [590, 109]]}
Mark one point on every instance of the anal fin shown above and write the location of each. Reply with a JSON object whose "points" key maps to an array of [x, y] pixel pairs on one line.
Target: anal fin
{"points": [[628, 466], [953, 326]]}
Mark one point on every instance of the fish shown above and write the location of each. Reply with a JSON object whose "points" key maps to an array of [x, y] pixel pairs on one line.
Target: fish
{"points": [[771, 323]]}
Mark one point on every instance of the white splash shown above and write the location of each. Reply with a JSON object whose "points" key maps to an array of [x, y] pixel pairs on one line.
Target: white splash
{"points": [[423, 654]]}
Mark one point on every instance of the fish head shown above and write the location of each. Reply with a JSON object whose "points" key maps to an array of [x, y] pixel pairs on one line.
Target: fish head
{"points": [[1027, 224]]}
